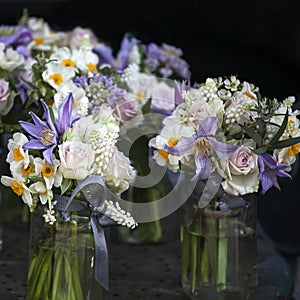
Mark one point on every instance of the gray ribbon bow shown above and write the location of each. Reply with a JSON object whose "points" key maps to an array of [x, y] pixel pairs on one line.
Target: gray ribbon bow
{"points": [[95, 195]]}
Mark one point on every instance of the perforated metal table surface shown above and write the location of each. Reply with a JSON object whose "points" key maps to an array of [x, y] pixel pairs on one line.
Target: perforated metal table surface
{"points": [[145, 272]]}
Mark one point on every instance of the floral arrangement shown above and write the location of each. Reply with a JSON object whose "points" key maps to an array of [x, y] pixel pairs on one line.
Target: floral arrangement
{"points": [[226, 126], [234, 143], [60, 150]]}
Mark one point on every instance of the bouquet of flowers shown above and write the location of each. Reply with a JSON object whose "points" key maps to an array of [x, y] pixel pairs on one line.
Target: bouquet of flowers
{"points": [[234, 142], [55, 156]]}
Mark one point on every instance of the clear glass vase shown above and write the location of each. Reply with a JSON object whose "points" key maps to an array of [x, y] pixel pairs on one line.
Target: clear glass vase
{"points": [[161, 230], [219, 251], [61, 264]]}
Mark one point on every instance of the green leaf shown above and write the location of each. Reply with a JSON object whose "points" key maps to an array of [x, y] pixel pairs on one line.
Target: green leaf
{"points": [[146, 107], [260, 150], [261, 127], [281, 129], [286, 143], [65, 185], [254, 135]]}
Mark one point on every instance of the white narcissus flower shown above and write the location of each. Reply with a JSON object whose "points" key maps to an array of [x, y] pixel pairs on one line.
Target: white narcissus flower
{"points": [[77, 159], [16, 183], [51, 174], [17, 157], [42, 191], [140, 85], [86, 60], [12, 60], [241, 172], [64, 57], [81, 102], [119, 172], [169, 136], [56, 75]]}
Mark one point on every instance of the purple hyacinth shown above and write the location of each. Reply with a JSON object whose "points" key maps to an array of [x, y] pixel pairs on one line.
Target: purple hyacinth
{"points": [[100, 89], [44, 135], [165, 61], [14, 35], [269, 170], [205, 144]]}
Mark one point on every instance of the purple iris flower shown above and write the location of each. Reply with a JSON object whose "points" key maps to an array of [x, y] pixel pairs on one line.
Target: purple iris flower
{"points": [[205, 144], [105, 53], [269, 170], [14, 35], [44, 135]]}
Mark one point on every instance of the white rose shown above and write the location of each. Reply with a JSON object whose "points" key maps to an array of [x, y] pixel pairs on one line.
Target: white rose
{"points": [[242, 172], [119, 172], [12, 60], [76, 159]]}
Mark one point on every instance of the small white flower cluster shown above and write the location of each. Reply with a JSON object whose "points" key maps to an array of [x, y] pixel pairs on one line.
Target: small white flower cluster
{"points": [[103, 147], [209, 90], [235, 114], [115, 212], [49, 216]]}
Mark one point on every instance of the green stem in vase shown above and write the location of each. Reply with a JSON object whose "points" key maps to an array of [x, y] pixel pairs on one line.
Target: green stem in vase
{"points": [[222, 255], [204, 266], [58, 258], [194, 249], [212, 248], [185, 259]]}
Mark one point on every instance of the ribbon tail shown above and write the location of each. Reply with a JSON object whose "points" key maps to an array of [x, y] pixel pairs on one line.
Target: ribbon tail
{"points": [[101, 254]]}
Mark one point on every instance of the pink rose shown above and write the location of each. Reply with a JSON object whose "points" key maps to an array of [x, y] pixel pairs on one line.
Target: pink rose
{"points": [[4, 94], [78, 34], [76, 159], [242, 172]]}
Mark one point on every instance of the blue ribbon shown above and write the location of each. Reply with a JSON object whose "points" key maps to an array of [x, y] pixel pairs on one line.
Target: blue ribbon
{"points": [[95, 195]]}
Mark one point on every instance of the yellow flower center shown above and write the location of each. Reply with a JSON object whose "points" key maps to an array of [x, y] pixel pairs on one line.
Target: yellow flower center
{"points": [[248, 95], [294, 150], [26, 171], [173, 141], [47, 170], [17, 188], [164, 154], [56, 78], [139, 95], [39, 41], [291, 127], [92, 67], [68, 63], [17, 154], [75, 103]]}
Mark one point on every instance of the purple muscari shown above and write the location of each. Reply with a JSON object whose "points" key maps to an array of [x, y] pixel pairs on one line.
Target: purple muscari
{"points": [[269, 170], [105, 53], [204, 143], [14, 35], [44, 135]]}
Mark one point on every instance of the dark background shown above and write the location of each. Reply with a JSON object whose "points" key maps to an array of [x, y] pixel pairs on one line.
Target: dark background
{"points": [[259, 41]]}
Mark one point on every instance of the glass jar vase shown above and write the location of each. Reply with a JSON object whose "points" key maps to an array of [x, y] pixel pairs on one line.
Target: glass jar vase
{"points": [[219, 250], [61, 264]]}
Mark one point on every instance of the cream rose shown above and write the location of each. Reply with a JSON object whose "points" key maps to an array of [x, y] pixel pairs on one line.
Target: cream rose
{"points": [[119, 172], [242, 172], [76, 159]]}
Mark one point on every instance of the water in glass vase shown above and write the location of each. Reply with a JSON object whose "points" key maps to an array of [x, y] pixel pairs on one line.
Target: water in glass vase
{"points": [[61, 262], [219, 255]]}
